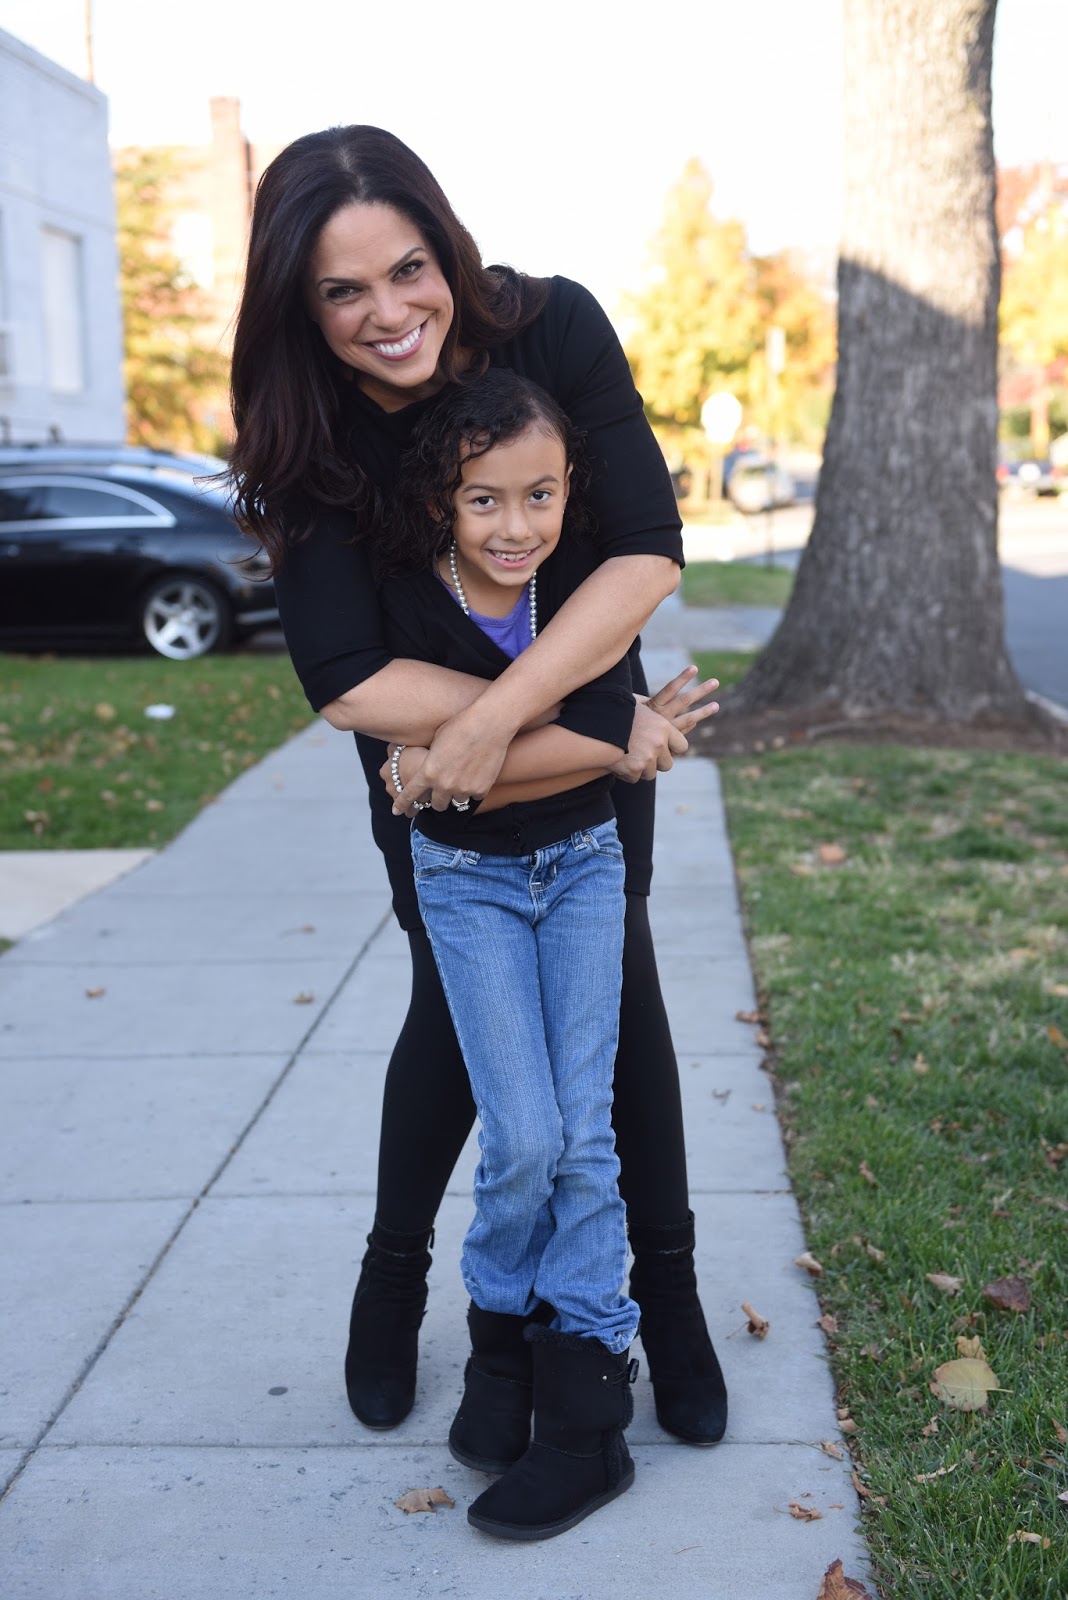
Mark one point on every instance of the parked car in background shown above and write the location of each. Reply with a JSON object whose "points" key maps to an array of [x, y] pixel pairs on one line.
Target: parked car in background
{"points": [[759, 484], [1033, 476], [122, 545]]}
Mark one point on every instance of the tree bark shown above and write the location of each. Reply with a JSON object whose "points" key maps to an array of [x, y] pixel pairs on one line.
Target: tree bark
{"points": [[898, 605]]}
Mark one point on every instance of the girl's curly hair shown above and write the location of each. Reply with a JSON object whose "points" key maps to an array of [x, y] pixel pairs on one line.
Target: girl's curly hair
{"points": [[415, 527]]}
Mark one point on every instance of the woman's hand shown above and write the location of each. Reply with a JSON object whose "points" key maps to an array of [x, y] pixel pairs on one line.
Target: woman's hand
{"points": [[463, 760]]}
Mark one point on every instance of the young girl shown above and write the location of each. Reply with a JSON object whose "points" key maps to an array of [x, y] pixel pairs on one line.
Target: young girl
{"points": [[521, 893]]}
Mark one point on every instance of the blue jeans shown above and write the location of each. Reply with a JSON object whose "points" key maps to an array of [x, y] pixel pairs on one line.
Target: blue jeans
{"points": [[530, 953]]}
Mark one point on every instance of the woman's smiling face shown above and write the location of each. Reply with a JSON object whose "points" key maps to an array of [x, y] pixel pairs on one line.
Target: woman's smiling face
{"points": [[381, 301]]}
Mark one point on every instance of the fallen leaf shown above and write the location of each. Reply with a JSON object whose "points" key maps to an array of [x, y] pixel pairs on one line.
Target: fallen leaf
{"points": [[944, 1283], [94, 994], [964, 1385], [971, 1349], [1057, 1036], [749, 1016], [829, 1448], [805, 1513], [750, 772], [757, 1325], [305, 998], [423, 1500], [828, 1323], [758, 1106], [939, 1472], [872, 1352], [1008, 1294], [801, 869], [813, 1267], [830, 855], [875, 1253], [867, 1174], [1053, 1155], [1022, 1536], [931, 1429], [1063, 1498], [103, 711], [920, 1065], [1062, 1434], [834, 1585], [847, 1425]]}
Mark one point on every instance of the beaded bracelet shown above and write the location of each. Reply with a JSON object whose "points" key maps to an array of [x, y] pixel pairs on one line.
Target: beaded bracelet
{"points": [[394, 772]]}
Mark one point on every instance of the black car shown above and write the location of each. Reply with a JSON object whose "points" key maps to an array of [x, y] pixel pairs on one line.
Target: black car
{"points": [[124, 545]]}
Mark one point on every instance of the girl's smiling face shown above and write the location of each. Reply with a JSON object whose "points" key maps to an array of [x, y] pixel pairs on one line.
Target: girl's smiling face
{"points": [[508, 512], [381, 300]]}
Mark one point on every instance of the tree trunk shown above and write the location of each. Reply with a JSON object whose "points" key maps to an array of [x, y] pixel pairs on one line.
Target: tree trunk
{"points": [[898, 601]]}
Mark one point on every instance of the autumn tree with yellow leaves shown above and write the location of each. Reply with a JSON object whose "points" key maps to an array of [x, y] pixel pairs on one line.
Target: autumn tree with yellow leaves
{"points": [[173, 379], [700, 324]]}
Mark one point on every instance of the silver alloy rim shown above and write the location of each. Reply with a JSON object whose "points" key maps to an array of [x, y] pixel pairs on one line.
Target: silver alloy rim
{"points": [[181, 620]]}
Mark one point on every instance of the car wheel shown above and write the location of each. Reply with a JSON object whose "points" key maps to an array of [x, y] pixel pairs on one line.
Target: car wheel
{"points": [[183, 617]]}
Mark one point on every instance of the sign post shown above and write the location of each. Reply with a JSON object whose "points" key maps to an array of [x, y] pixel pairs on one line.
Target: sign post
{"points": [[721, 417]]}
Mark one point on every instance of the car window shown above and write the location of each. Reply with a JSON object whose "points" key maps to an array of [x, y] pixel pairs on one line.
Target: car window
{"points": [[80, 501], [14, 505]]}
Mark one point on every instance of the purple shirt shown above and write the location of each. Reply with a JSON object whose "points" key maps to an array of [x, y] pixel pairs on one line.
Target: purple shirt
{"points": [[511, 633]]}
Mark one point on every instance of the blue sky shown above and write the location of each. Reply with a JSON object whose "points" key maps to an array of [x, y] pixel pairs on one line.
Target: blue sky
{"points": [[556, 128]]}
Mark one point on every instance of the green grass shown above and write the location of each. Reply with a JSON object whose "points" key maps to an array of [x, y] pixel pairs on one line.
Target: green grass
{"points": [[86, 769], [917, 1001], [735, 583], [729, 666]]}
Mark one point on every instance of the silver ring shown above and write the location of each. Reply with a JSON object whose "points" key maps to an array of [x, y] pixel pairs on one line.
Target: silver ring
{"points": [[421, 805], [462, 805]]}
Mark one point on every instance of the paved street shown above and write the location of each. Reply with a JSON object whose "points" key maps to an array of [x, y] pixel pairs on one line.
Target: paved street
{"points": [[1034, 556]]}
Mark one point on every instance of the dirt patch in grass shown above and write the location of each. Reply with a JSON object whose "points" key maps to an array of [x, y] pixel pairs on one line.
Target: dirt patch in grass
{"points": [[735, 733]]}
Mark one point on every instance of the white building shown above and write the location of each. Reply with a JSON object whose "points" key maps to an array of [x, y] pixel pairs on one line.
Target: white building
{"points": [[60, 316]]}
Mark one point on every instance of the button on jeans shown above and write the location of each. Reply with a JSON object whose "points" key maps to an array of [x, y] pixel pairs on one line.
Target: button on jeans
{"points": [[530, 952]]}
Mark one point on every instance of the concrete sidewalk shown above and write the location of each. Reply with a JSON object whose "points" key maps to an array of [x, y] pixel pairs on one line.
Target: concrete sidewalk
{"points": [[192, 1067]]}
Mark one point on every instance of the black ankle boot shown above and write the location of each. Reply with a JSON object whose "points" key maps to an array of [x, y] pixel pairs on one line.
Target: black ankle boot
{"points": [[491, 1429], [387, 1309], [578, 1460], [691, 1396]]}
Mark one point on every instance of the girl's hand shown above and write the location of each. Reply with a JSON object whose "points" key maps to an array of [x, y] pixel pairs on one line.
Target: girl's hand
{"points": [[677, 700], [410, 760], [653, 745]]}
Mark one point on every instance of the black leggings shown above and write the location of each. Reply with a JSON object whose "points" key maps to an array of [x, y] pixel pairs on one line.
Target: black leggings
{"points": [[427, 1110]]}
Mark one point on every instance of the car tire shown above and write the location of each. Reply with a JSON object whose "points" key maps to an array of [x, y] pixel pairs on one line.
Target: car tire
{"points": [[183, 617]]}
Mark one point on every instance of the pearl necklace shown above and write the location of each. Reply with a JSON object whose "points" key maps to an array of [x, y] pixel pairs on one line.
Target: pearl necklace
{"points": [[532, 591]]}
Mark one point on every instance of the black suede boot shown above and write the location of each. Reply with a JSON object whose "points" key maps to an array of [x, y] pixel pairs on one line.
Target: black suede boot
{"points": [[387, 1308], [691, 1396], [578, 1459], [491, 1429]]}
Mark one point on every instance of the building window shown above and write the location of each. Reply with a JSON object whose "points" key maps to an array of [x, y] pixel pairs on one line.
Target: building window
{"points": [[61, 275]]}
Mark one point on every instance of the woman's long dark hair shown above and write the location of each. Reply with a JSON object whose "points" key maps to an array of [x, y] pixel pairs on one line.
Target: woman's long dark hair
{"points": [[291, 450], [492, 409]]}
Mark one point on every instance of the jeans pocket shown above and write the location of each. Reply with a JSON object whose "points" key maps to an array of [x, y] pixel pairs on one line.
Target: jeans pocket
{"points": [[429, 858], [603, 840]]}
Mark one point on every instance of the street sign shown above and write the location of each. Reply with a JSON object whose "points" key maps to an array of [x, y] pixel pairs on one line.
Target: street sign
{"points": [[721, 417]]}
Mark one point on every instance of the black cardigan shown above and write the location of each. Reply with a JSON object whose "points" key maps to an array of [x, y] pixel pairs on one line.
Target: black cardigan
{"points": [[423, 622]]}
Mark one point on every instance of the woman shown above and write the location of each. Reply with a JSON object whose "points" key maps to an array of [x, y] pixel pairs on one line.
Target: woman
{"points": [[364, 298]]}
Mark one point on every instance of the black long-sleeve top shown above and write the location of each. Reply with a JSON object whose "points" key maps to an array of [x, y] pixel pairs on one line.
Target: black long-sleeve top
{"points": [[326, 593]]}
